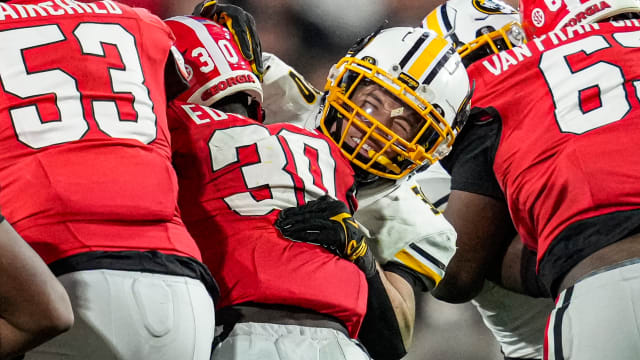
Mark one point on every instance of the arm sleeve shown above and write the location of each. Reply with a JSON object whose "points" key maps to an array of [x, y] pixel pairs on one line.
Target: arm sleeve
{"points": [[470, 162], [380, 332]]}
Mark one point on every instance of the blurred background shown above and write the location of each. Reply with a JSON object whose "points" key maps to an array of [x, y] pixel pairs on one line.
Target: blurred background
{"points": [[311, 36]]}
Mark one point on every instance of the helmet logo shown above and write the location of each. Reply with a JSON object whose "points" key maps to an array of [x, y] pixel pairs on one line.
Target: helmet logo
{"points": [[226, 84], [588, 12], [537, 16], [189, 71], [370, 60], [409, 80], [493, 7]]}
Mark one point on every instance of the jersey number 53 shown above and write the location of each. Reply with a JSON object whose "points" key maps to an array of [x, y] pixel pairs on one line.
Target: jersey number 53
{"points": [[72, 124]]}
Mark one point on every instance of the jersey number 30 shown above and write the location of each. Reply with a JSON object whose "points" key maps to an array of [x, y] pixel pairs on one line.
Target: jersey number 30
{"points": [[72, 125], [275, 170]]}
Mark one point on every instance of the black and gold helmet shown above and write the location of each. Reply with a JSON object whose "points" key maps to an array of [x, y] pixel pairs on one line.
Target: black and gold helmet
{"points": [[396, 101], [476, 28]]}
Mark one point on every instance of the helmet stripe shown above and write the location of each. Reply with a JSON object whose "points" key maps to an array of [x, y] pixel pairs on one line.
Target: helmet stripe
{"points": [[447, 25], [413, 50], [431, 22], [436, 68], [427, 57], [210, 45]]}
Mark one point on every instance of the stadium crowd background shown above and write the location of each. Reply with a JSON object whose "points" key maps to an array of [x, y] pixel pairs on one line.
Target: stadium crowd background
{"points": [[312, 35]]}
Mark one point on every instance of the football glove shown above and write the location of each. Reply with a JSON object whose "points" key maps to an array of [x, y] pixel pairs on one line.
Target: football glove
{"points": [[242, 26], [327, 222]]}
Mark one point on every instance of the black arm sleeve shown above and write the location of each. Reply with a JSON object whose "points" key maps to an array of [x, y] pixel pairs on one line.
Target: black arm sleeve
{"points": [[380, 333], [470, 162], [174, 83]]}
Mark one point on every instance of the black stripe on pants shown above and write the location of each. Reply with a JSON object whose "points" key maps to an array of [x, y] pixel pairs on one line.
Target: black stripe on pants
{"points": [[557, 326]]}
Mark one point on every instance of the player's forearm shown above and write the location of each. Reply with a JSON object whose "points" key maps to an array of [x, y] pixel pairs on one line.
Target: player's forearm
{"points": [[484, 231], [34, 306], [15, 341], [31, 323], [403, 301], [518, 271], [388, 324], [458, 286]]}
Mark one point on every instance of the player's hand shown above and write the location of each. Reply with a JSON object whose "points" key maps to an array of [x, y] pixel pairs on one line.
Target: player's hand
{"points": [[242, 26], [327, 222]]}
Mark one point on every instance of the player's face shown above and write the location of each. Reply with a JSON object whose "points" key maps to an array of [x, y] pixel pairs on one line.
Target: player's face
{"points": [[387, 110]]}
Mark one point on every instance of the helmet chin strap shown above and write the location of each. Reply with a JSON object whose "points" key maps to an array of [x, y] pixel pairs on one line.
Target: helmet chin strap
{"points": [[363, 177], [386, 162]]}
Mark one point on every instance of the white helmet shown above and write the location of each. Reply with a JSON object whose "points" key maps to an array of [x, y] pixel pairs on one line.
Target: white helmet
{"points": [[476, 28], [396, 101]]}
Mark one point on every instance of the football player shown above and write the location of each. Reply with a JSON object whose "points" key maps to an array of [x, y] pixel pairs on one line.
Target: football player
{"points": [[235, 175], [86, 177], [551, 152], [404, 227], [478, 29], [35, 306], [304, 177]]}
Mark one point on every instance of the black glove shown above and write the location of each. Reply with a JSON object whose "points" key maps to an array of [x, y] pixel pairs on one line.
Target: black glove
{"points": [[242, 26], [327, 222]]}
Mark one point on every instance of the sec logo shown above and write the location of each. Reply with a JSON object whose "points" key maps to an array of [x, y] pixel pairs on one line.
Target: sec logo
{"points": [[537, 16]]}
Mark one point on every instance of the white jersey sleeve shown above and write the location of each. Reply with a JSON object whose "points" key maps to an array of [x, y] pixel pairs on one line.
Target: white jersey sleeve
{"points": [[406, 228], [435, 183], [288, 97]]}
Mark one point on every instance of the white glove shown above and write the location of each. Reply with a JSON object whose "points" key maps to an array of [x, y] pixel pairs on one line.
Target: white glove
{"points": [[288, 97], [407, 229]]}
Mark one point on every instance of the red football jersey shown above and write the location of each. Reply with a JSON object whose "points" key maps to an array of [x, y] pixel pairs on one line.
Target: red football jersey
{"points": [[235, 174], [569, 106], [85, 162]]}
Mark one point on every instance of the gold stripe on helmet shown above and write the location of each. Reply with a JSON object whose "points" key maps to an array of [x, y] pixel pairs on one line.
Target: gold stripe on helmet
{"points": [[209, 3], [434, 24], [429, 54]]}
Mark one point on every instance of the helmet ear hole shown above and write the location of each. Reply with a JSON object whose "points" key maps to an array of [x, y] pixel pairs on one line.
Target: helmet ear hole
{"points": [[485, 30], [439, 109]]}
